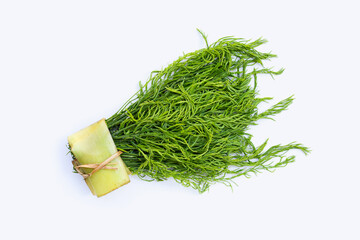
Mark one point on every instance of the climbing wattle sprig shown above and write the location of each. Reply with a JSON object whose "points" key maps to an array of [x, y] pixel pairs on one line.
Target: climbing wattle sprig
{"points": [[190, 120]]}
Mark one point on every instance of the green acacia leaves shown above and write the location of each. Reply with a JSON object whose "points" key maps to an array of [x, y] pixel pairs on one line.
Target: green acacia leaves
{"points": [[190, 120]]}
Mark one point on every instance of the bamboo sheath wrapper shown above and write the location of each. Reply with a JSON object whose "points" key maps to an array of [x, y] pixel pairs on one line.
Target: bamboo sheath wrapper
{"points": [[93, 145]]}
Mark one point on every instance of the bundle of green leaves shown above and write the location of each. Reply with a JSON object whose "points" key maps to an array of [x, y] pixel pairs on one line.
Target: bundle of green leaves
{"points": [[190, 121]]}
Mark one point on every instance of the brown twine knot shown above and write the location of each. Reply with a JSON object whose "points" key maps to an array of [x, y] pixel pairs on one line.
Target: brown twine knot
{"points": [[96, 167]]}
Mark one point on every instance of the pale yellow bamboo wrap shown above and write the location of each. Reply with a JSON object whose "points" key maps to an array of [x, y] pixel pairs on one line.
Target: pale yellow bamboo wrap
{"points": [[93, 145]]}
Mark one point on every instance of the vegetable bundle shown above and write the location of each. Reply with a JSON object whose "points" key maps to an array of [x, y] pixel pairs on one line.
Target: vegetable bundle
{"points": [[190, 121]]}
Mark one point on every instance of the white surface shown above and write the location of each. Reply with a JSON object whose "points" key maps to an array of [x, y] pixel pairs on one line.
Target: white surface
{"points": [[66, 64]]}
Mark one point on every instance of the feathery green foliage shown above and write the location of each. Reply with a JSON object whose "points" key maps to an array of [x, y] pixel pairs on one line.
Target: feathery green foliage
{"points": [[190, 120]]}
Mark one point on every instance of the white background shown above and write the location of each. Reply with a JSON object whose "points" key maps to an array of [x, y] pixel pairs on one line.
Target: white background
{"points": [[66, 64]]}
